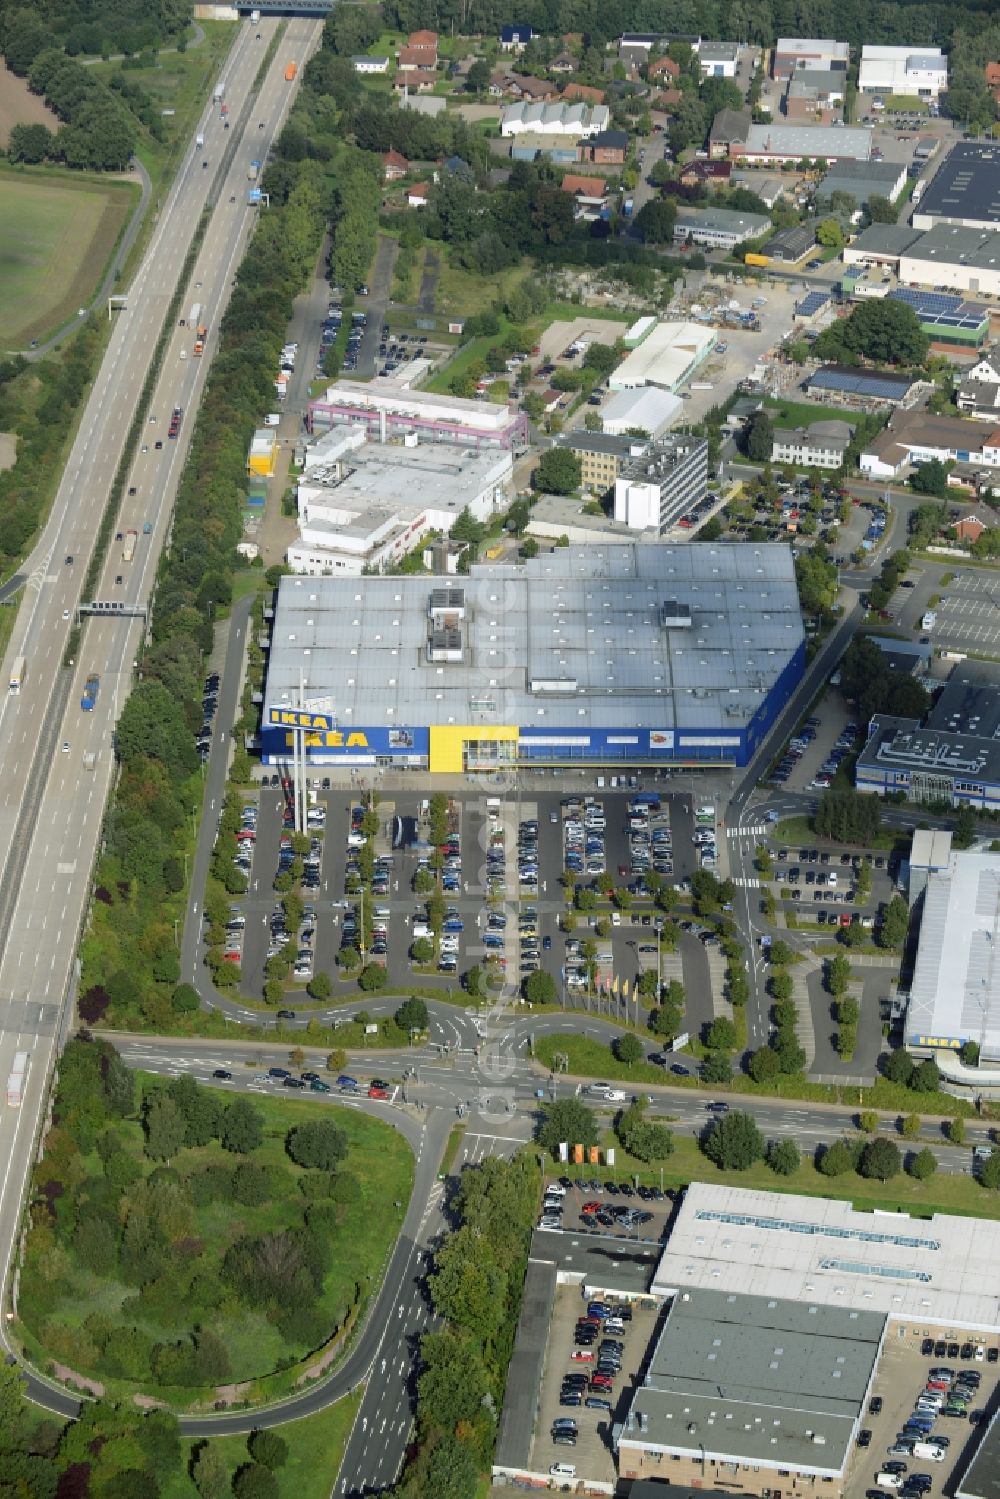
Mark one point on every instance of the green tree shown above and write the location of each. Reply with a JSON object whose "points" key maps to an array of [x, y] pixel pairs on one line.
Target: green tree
{"points": [[836, 1159], [469, 1287], [373, 978], [734, 1142], [267, 1448], [210, 1472], [453, 1383], [412, 1015], [566, 1120], [930, 477], [540, 988], [880, 209], [452, 1471], [783, 1157], [880, 1159], [780, 984], [642, 1137], [717, 1068], [989, 1172], [318, 1146], [242, 1129], [868, 1120], [319, 986], [760, 437], [892, 932], [922, 1165], [255, 1482], [164, 1127], [764, 1065], [956, 1130], [912, 1123], [655, 221], [830, 233], [838, 975], [627, 1048], [722, 1035], [558, 472]]}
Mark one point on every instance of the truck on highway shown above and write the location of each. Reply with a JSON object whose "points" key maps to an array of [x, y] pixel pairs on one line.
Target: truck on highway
{"points": [[17, 673], [17, 1079], [175, 422], [255, 18], [90, 760], [199, 141], [218, 92], [291, 71], [253, 171], [194, 314], [199, 339], [128, 549], [91, 688]]}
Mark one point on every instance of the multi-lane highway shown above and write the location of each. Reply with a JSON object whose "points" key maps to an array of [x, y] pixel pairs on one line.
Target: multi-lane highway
{"points": [[51, 803]]}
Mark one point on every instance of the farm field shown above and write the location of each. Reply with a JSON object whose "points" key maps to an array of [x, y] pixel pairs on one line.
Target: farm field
{"points": [[56, 234], [19, 106]]}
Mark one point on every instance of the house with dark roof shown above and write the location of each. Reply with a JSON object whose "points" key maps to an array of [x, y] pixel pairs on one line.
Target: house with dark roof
{"points": [[534, 90], [715, 174], [790, 245], [978, 393], [515, 37], [457, 166], [730, 127], [607, 148], [563, 64], [838, 382]]}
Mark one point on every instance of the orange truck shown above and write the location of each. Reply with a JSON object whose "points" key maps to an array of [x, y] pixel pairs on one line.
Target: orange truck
{"points": [[291, 71], [200, 336]]}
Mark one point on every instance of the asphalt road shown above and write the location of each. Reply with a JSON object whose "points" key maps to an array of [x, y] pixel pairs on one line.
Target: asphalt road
{"points": [[51, 807]]}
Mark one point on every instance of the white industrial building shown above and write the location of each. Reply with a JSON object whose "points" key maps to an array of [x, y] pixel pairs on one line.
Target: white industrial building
{"points": [[923, 1273], [955, 991], [363, 505], [777, 143], [667, 479], [387, 409], [665, 358], [643, 409], [718, 59], [951, 256], [575, 121], [903, 70]]}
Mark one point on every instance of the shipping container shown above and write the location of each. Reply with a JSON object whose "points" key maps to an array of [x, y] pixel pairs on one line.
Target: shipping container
{"points": [[18, 1077], [17, 673]]}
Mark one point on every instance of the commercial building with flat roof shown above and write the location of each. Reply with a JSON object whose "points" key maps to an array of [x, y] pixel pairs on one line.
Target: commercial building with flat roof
{"points": [[954, 755], [665, 480], [956, 257], [386, 409], [741, 1388], [955, 989], [964, 190], [864, 180], [880, 244], [666, 357], [718, 59], [922, 71], [981, 1479], [598, 655], [820, 445], [644, 409], [554, 516], [794, 53], [367, 504], [923, 1273], [768, 143], [603, 456], [718, 228]]}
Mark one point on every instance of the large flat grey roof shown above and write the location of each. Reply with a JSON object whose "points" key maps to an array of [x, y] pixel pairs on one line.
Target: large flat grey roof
{"points": [[952, 244], [588, 615], [966, 185], [981, 1479], [757, 1379], [606, 1262], [524, 1377], [955, 991]]}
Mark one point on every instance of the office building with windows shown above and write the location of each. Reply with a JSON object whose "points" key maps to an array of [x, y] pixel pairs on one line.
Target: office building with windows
{"points": [[662, 483]]}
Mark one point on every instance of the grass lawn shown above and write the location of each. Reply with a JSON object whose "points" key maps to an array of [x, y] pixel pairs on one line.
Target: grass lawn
{"points": [[461, 292], [589, 1058], [315, 1451], [801, 413], [945, 1192], [378, 1158], [56, 234], [792, 830]]}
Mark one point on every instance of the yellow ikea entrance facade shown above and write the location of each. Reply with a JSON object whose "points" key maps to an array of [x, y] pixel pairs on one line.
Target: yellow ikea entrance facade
{"points": [[454, 748]]}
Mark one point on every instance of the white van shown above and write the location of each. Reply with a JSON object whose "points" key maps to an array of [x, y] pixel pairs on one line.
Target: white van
{"points": [[562, 1470], [610, 1095], [421, 929], [272, 419], [382, 913], [889, 1480]]}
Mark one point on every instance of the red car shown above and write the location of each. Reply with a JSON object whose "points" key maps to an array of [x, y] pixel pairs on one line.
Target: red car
{"points": [[602, 1382], [591, 1207], [582, 1355], [378, 1090]]}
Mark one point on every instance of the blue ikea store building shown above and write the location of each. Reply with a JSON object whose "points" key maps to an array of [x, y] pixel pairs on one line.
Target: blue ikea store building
{"points": [[616, 654]]}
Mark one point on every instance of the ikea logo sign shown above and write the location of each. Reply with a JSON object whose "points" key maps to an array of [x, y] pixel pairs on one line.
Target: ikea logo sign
{"points": [[298, 718]]}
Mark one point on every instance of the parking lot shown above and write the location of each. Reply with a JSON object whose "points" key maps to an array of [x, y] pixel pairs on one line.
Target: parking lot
{"points": [[901, 1379], [565, 1357], [499, 880]]}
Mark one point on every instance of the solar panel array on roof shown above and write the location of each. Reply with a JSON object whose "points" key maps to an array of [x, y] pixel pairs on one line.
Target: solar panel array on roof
{"points": [[812, 303], [860, 383], [926, 301], [942, 311]]}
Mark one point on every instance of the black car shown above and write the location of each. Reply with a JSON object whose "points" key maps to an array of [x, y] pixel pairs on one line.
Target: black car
{"points": [[294, 1082], [875, 1405], [940, 1348], [222, 1074], [927, 1347], [992, 1354], [953, 1350], [286, 1014], [864, 1438], [966, 1352]]}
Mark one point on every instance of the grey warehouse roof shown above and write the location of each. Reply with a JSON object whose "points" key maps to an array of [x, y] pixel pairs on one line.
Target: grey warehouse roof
{"points": [[757, 1380], [955, 992], [982, 1477], [585, 614], [966, 185], [884, 239]]}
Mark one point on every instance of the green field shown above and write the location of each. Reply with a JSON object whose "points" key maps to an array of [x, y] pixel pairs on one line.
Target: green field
{"points": [[315, 1451], [57, 1317], [801, 413], [56, 235]]}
